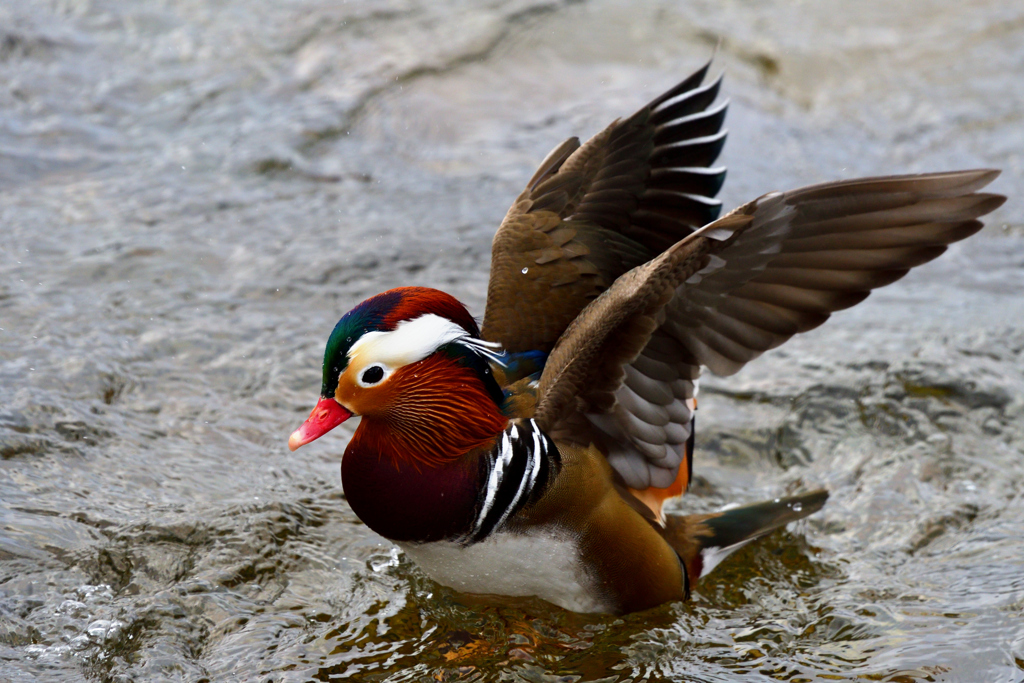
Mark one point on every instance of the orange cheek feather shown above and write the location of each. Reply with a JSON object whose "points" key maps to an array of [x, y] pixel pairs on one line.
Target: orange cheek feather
{"points": [[375, 401], [429, 412]]}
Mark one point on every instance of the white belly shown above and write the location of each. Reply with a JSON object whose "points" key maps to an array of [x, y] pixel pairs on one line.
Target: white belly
{"points": [[544, 564]]}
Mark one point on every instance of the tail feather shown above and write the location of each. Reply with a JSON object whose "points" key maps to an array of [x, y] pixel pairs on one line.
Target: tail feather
{"points": [[702, 541]]}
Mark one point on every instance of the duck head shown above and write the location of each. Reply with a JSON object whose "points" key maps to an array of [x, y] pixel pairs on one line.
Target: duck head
{"points": [[410, 361]]}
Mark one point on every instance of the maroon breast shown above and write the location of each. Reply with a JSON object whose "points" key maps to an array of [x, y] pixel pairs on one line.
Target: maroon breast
{"points": [[407, 501]]}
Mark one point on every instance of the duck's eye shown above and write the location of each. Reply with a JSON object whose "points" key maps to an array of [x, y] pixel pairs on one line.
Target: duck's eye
{"points": [[372, 375]]}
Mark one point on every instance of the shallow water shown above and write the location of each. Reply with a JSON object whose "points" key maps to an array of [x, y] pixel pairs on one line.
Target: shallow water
{"points": [[192, 193]]}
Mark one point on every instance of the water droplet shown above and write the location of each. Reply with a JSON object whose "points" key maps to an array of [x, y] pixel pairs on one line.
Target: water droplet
{"points": [[525, 270], [797, 507]]}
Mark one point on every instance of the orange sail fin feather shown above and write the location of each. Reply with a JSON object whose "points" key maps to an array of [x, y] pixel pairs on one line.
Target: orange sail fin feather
{"points": [[534, 455]]}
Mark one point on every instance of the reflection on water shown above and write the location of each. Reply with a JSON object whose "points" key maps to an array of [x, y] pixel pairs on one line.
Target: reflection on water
{"points": [[191, 195]]}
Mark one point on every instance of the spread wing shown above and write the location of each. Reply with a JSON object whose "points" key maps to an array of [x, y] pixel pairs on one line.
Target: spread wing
{"points": [[592, 212], [734, 289]]}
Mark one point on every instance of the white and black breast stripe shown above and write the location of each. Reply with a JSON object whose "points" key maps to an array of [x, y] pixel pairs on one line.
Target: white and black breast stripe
{"points": [[519, 468]]}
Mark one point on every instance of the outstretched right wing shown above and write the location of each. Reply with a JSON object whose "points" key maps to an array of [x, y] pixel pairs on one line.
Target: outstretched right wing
{"points": [[592, 212]]}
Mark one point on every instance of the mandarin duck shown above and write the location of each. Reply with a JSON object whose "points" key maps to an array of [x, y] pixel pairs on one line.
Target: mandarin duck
{"points": [[533, 456]]}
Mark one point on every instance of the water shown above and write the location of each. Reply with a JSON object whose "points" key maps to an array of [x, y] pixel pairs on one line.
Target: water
{"points": [[192, 193]]}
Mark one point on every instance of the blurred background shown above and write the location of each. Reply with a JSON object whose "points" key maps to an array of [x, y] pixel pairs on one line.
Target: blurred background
{"points": [[193, 192]]}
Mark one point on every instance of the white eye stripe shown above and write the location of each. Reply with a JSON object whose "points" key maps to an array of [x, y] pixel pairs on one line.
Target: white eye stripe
{"points": [[410, 341]]}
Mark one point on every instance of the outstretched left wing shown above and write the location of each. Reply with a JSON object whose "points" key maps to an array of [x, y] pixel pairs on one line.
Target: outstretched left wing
{"points": [[744, 284]]}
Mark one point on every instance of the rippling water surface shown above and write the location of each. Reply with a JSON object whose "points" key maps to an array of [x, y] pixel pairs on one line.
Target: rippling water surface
{"points": [[192, 192]]}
